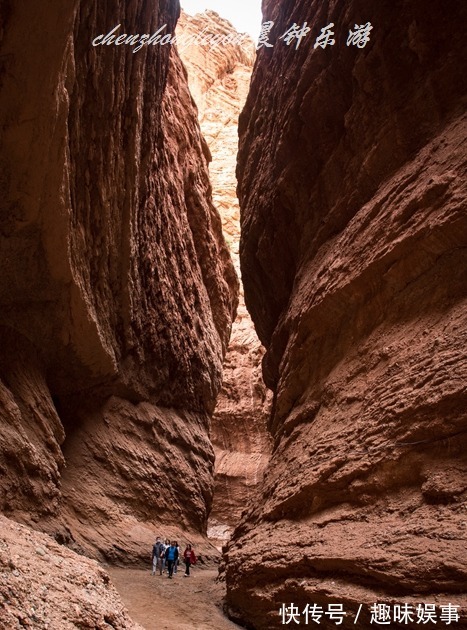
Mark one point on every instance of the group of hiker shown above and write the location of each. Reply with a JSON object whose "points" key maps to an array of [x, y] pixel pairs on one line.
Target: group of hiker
{"points": [[165, 557]]}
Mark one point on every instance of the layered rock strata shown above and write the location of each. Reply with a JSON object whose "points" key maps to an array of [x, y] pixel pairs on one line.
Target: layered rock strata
{"points": [[352, 171], [219, 71], [117, 289]]}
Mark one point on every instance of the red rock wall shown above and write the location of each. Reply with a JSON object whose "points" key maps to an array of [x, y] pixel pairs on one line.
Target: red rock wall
{"points": [[352, 191], [219, 78], [117, 289]]}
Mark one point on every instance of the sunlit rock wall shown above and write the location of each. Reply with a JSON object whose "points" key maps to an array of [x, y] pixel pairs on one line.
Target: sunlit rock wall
{"points": [[219, 76]]}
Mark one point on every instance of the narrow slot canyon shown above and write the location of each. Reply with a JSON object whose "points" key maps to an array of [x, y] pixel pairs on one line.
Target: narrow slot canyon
{"points": [[233, 313], [219, 78]]}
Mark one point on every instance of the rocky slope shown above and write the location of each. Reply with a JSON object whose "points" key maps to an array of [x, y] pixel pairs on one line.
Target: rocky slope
{"points": [[219, 77], [31, 566], [352, 172], [117, 290]]}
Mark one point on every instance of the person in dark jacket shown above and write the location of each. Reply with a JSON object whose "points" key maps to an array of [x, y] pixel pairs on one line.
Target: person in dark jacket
{"points": [[171, 556], [178, 557], [189, 558], [158, 550]]}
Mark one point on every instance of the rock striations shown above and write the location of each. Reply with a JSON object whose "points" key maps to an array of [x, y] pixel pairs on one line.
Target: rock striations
{"points": [[117, 290], [219, 77], [352, 174]]}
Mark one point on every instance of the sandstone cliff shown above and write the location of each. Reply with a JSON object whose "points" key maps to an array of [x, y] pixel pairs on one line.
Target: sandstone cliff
{"points": [[352, 171], [219, 78], [117, 289]]}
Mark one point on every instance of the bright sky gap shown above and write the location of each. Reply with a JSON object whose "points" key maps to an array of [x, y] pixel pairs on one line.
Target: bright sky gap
{"points": [[245, 15]]}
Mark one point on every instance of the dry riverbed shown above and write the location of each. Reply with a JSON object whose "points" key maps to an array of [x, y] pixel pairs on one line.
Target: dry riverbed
{"points": [[158, 603]]}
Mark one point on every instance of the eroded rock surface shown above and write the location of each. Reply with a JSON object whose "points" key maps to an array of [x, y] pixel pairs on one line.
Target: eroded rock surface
{"points": [[32, 565], [352, 186], [117, 289], [219, 77]]}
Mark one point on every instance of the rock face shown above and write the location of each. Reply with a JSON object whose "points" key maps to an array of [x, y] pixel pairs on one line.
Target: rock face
{"points": [[219, 77], [117, 290], [352, 189], [31, 566]]}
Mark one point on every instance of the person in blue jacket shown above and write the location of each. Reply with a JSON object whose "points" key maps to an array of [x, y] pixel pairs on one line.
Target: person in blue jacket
{"points": [[171, 556]]}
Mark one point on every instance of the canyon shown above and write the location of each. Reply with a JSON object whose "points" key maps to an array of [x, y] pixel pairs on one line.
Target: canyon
{"points": [[219, 78], [311, 420]]}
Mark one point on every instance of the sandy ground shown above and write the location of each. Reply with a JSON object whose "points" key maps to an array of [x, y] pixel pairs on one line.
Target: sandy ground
{"points": [[158, 603]]}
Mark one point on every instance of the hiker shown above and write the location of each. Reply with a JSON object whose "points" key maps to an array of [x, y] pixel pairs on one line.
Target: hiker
{"points": [[178, 557], [189, 558], [171, 556], [158, 550], [164, 561]]}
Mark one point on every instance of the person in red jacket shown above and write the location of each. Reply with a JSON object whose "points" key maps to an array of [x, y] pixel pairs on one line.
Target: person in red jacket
{"points": [[189, 558]]}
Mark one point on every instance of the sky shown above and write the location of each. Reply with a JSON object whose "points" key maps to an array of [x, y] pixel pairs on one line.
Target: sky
{"points": [[245, 15]]}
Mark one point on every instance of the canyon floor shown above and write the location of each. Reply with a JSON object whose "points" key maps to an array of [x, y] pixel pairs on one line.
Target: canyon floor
{"points": [[158, 603]]}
